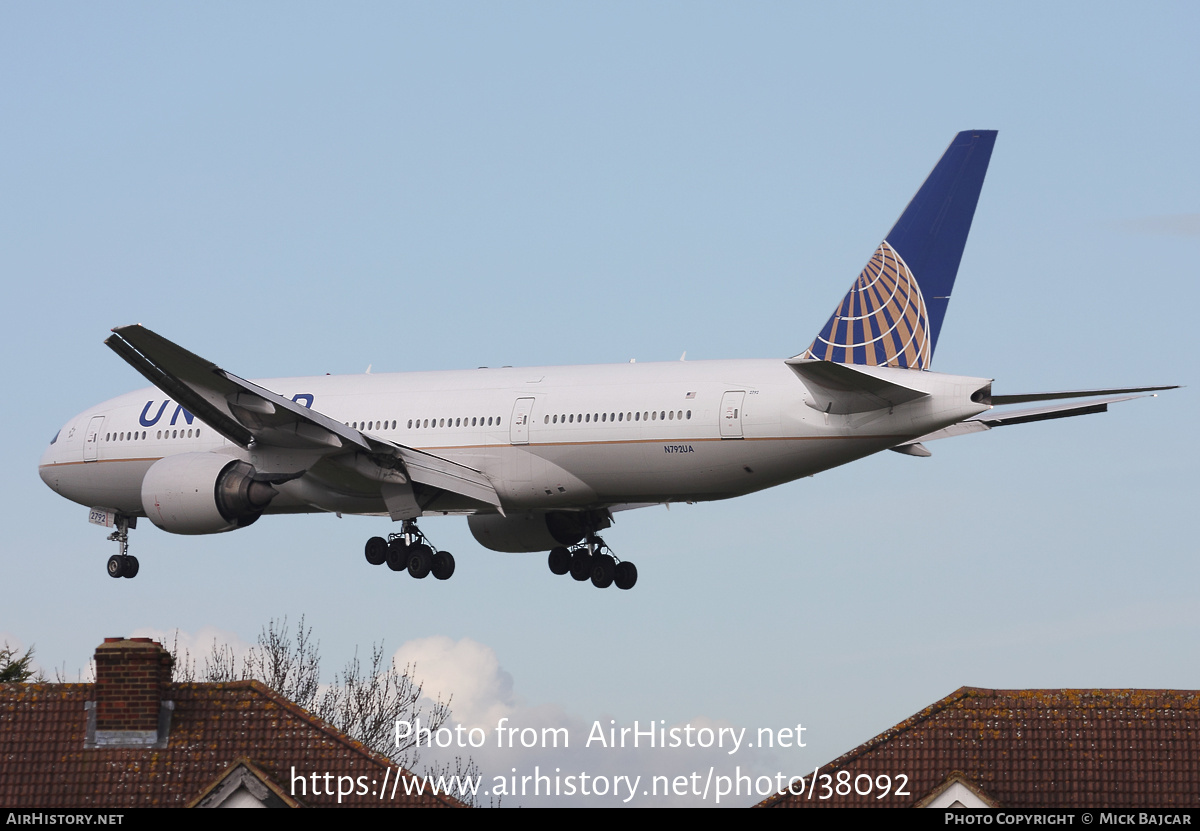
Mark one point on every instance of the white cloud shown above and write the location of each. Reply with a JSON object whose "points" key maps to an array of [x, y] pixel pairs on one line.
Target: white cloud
{"points": [[465, 669]]}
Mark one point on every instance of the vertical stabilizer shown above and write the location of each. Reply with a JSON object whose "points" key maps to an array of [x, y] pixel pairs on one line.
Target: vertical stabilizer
{"points": [[894, 311]]}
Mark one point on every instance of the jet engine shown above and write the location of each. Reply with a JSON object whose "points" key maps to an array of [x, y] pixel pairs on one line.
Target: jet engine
{"points": [[535, 530], [203, 493]]}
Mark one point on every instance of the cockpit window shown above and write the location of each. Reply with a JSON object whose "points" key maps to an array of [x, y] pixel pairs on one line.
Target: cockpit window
{"points": [[56, 435]]}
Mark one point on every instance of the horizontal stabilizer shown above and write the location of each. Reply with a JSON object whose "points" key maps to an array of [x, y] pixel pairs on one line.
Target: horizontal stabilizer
{"points": [[988, 420], [1026, 398], [841, 389]]}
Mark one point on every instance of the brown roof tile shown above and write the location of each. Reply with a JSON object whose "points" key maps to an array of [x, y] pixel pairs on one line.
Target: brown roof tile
{"points": [[44, 763], [1037, 750]]}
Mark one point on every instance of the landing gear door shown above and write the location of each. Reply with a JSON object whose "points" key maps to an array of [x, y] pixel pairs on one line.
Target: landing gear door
{"points": [[731, 414], [91, 439], [518, 427]]}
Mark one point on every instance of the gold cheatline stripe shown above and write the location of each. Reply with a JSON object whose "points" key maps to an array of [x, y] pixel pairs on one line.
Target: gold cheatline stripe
{"points": [[543, 444]]}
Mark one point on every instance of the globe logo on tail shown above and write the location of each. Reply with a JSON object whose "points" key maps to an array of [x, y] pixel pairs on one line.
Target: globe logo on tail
{"points": [[882, 320]]}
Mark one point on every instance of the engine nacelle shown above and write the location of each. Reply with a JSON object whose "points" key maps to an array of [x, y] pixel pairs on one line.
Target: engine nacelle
{"points": [[534, 531], [203, 493]]}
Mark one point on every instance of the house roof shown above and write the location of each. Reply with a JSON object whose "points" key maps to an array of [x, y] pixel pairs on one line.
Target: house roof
{"points": [[44, 762], [1035, 750]]}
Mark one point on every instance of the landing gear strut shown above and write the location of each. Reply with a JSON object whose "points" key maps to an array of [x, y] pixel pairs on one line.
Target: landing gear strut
{"points": [[410, 551], [123, 564], [593, 560]]}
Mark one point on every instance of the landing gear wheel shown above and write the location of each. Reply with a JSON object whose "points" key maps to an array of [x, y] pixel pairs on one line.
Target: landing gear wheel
{"points": [[420, 561], [397, 555], [377, 551], [604, 569], [443, 565], [581, 565], [560, 560], [122, 565], [626, 575]]}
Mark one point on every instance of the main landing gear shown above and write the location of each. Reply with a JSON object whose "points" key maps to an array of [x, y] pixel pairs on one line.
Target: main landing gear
{"points": [[410, 551], [123, 564], [589, 560]]}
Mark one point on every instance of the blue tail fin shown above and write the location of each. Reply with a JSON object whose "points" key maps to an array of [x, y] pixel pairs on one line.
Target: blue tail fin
{"points": [[894, 311]]}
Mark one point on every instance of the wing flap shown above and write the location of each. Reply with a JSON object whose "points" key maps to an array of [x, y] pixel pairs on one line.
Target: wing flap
{"points": [[437, 472]]}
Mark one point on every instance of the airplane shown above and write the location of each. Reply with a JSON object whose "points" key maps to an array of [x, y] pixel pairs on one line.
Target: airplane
{"points": [[540, 459]]}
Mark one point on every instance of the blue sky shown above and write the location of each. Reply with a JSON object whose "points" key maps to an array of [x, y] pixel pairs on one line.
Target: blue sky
{"points": [[303, 188]]}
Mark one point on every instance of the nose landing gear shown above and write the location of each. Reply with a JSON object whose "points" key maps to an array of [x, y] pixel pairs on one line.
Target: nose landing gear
{"points": [[410, 551]]}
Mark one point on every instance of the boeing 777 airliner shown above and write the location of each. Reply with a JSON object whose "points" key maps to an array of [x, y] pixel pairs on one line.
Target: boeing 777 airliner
{"points": [[540, 458]]}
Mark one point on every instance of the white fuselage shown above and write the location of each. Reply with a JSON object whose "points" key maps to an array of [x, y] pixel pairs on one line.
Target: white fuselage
{"points": [[548, 438]]}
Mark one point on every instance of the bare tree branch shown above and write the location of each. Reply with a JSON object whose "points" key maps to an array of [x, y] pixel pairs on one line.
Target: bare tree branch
{"points": [[363, 702]]}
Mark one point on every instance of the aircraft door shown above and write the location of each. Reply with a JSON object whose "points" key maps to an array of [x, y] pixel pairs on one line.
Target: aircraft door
{"points": [[91, 439], [731, 414], [518, 427]]}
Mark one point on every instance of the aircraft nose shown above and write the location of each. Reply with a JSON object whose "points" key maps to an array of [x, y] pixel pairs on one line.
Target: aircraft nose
{"points": [[46, 467]]}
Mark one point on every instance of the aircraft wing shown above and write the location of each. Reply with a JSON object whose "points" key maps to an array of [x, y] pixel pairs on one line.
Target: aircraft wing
{"points": [[288, 432]]}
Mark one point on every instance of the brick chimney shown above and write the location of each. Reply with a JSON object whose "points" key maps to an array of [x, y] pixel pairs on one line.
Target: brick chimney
{"points": [[133, 677]]}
